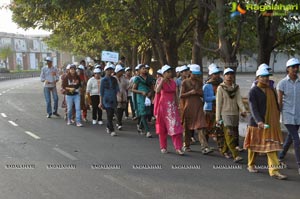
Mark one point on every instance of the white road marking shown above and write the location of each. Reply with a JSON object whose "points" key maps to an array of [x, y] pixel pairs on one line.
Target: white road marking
{"points": [[66, 154], [3, 115], [32, 135], [13, 123], [122, 184]]}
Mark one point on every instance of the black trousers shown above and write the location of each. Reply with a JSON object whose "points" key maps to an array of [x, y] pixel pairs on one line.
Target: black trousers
{"points": [[110, 114], [119, 114], [97, 112]]}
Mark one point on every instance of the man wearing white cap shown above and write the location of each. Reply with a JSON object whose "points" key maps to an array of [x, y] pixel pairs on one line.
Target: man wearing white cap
{"points": [[191, 107], [49, 75], [122, 94], [109, 89], [228, 105], [263, 131], [93, 94], [288, 96]]}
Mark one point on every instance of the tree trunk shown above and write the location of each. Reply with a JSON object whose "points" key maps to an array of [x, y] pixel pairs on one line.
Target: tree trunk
{"points": [[199, 32], [225, 44], [171, 50], [134, 57], [267, 28]]}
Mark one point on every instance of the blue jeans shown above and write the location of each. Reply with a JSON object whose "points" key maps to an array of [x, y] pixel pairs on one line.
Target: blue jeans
{"points": [[47, 93], [73, 99], [293, 137]]}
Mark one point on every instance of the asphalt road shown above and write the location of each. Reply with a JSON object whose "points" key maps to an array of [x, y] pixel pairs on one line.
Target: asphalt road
{"points": [[45, 158]]}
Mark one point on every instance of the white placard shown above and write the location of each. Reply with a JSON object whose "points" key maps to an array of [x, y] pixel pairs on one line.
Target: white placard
{"points": [[110, 56]]}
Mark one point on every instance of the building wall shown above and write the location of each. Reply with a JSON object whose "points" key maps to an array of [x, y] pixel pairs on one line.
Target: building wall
{"points": [[29, 52]]}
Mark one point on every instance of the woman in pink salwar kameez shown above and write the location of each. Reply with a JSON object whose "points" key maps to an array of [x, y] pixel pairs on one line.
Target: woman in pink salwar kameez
{"points": [[168, 119]]}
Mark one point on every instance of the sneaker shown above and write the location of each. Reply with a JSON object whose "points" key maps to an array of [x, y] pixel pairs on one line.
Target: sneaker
{"points": [[206, 151], [100, 122], [113, 134], [163, 151], [69, 122], [126, 118], [79, 124], [120, 128], [149, 135], [48, 115], [94, 122], [237, 159], [107, 131], [252, 169], [134, 118], [72, 121], [279, 176], [179, 152], [56, 114], [193, 140], [84, 119], [187, 149]]}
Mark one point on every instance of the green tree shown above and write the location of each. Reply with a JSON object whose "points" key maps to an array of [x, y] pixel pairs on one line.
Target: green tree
{"points": [[5, 53]]}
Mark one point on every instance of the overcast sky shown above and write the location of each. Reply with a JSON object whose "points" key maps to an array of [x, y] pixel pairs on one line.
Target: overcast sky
{"points": [[6, 24]]}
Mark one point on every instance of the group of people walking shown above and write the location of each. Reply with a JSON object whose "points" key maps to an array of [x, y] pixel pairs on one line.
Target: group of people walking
{"points": [[186, 106]]}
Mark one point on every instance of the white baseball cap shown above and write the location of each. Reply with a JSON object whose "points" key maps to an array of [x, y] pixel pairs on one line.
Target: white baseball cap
{"points": [[159, 71], [177, 69], [68, 66], [48, 59], [97, 66], [97, 70], [81, 67], [228, 70], [138, 67], [165, 68], [262, 72], [213, 71], [127, 69], [118, 68], [212, 66], [108, 66], [183, 68], [292, 61], [147, 66], [264, 66], [195, 69]]}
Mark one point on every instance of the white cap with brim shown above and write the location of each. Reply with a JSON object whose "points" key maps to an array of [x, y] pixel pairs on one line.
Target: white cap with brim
{"points": [[159, 71], [49, 59], [264, 66], [213, 71], [212, 66], [118, 68], [138, 67], [81, 67], [147, 66], [68, 66], [97, 70], [228, 70], [72, 66], [127, 69], [165, 68], [97, 66], [183, 68], [108, 67], [177, 69], [195, 69], [263, 72], [292, 62]]}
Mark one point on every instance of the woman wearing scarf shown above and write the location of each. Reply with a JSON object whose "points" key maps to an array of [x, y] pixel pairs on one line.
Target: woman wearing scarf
{"points": [[228, 105], [264, 133]]}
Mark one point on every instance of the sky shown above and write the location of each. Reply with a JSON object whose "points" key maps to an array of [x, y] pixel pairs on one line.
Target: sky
{"points": [[7, 25]]}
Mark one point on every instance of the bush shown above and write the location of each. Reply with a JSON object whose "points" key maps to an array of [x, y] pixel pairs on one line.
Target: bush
{"points": [[4, 70]]}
